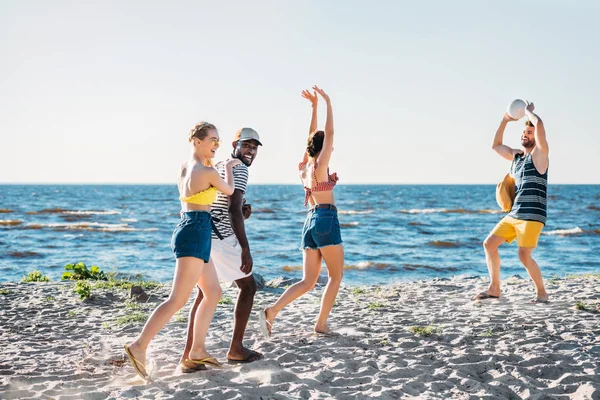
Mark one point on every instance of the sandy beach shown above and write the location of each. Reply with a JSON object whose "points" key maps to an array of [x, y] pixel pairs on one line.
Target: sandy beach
{"points": [[56, 346]]}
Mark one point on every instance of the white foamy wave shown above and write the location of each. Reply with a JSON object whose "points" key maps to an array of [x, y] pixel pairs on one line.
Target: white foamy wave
{"points": [[356, 212], [424, 210], [90, 212], [564, 232], [10, 222], [89, 226], [129, 220]]}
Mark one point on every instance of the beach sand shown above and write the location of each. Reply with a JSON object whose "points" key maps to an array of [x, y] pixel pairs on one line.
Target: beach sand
{"points": [[53, 345]]}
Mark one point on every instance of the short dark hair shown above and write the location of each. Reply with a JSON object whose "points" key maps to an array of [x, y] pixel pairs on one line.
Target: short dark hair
{"points": [[529, 123], [314, 143]]}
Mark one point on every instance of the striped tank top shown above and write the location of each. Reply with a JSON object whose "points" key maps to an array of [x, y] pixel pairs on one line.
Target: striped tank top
{"points": [[531, 190]]}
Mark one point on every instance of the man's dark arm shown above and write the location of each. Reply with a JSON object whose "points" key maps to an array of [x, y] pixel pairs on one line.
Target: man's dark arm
{"points": [[236, 216]]}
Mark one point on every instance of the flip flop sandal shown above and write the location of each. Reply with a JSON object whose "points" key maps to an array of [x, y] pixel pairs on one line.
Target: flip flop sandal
{"points": [[264, 324], [135, 363], [485, 296]]}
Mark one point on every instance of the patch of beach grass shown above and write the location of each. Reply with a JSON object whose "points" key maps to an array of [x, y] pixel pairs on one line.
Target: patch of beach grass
{"points": [[376, 305], [488, 333], [35, 276], [48, 299], [83, 289], [132, 306], [135, 317], [586, 276], [593, 308], [424, 331], [226, 300], [357, 291], [125, 284], [179, 317], [4, 292]]}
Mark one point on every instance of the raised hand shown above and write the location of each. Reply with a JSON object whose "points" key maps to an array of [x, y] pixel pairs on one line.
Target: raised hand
{"points": [[508, 118], [246, 209], [529, 106], [312, 97], [322, 93], [234, 162]]}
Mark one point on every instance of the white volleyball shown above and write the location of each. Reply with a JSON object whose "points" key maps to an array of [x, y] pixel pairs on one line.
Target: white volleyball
{"points": [[516, 109]]}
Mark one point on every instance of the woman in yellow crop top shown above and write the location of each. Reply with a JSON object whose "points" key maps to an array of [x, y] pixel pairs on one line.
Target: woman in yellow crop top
{"points": [[321, 236], [198, 184]]}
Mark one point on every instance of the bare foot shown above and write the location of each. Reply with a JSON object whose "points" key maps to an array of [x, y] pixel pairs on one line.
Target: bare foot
{"points": [[540, 298], [322, 328]]}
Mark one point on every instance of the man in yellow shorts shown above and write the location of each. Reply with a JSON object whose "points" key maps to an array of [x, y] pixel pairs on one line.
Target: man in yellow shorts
{"points": [[528, 214]]}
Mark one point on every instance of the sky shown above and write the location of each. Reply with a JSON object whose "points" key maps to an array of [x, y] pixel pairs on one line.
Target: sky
{"points": [[106, 91]]}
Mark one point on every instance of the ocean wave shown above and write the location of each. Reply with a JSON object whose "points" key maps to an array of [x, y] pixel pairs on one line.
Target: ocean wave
{"points": [[92, 212], [129, 220], [23, 254], [441, 243], [564, 232], [10, 222], [424, 210], [594, 208], [414, 267], [349, 224], [88, 226], [264, 211], [448, 211], [5, 211], [360, 266], [355, 212], [58, 210]]}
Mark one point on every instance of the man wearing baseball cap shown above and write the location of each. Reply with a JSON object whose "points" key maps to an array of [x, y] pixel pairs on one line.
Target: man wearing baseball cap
{"points": [[230, 250]]}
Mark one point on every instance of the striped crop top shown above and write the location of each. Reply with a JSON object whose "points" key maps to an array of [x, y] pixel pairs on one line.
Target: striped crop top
{"points": [[324, 186]]}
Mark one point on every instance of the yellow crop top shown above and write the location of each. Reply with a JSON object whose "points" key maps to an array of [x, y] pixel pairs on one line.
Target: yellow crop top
{"points": [[203, 198]]}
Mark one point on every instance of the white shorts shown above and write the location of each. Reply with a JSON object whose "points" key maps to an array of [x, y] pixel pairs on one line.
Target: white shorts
{"points": [[226, 254]]}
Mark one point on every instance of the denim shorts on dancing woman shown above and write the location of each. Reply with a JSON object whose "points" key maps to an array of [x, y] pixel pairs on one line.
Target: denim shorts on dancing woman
{"points": [[191, 237], [321, 228]]}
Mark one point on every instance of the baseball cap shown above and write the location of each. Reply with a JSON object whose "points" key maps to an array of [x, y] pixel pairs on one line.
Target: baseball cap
{"points": [[247, 134]]}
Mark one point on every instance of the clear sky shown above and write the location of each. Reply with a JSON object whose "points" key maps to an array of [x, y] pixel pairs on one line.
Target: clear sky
{"points": [[106, 91]]}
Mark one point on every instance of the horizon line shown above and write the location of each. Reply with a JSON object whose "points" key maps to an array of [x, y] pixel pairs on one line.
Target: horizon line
{"points": [[261, 183]]}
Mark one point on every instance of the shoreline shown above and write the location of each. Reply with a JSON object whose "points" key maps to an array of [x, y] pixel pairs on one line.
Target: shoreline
{"points": [[423, 338]]}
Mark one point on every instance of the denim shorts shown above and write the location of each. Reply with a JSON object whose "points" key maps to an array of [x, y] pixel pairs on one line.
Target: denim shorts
{"points": [[191, 237], [321, 229]]}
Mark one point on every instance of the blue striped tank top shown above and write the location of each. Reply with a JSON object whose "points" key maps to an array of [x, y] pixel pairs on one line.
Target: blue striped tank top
{"points": [[531, 190]]}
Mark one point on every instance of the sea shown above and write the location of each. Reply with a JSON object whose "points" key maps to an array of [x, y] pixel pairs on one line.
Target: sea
{"points": [[391, 233]]}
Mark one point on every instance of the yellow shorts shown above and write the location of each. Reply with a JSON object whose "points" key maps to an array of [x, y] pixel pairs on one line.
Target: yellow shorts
{"points": [[527, 233]]}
